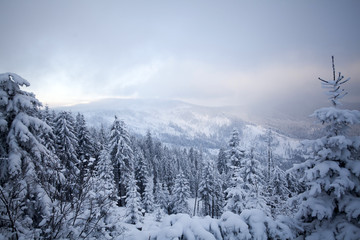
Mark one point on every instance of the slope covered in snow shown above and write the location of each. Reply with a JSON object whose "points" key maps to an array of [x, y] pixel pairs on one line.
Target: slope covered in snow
{"points": [[180, 123]]}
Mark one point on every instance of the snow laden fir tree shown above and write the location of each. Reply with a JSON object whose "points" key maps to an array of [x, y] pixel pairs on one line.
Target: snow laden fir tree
{"points": [[330, 206], [29, 171]]}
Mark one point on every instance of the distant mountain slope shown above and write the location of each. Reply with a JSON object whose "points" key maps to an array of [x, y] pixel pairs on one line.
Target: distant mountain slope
{"points": [[180, 123]]}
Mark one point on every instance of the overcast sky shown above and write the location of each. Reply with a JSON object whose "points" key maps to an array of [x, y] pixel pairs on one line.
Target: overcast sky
{"points": [[251, 53]]}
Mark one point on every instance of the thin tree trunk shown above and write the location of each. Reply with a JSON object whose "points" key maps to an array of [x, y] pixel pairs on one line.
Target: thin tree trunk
{"points": [[195, 204]]}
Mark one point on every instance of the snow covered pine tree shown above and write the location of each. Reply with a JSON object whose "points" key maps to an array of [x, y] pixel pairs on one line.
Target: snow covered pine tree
{"points": [[29, 172], [181, 194], [122, 156], [329, 208]]}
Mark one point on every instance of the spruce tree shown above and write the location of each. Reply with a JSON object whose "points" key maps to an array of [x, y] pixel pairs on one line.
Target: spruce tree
{"points": [[210, 190], [122, 157], [148, 196], [221, 162], [162, 196], [133, 202], [181, 194], [85, 145], [207, 188], [329, 207], [141, 170], [278, 193], [104, 185], [67, 142], [48, 138], [254, 184], [270, 160], [235, 153], [29, 172], [246, 189], [66, 150], [233, 183]]}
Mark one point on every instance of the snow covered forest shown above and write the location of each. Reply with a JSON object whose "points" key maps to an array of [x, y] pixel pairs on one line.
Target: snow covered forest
{"points": [[61, 179]]}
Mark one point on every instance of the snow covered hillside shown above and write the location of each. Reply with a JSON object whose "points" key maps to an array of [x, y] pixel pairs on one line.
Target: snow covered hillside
{"points": [[182, 124]]}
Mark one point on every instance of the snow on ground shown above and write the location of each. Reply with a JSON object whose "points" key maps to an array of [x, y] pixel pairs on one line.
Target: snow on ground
{"points": [[250, 224]]}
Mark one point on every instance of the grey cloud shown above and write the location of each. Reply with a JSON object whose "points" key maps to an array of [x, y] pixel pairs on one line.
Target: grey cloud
{"points": [[208, 51]]}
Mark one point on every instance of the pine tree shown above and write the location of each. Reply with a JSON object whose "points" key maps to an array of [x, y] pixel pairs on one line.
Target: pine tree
{"points": [[122, 157], [278, 193], [207, 188], [66, 142], [246, 189], [254, 184], [105, 187], [270, 160], [233, 183], [221, 162], [85, 148], [149, 154], [329, 207], [29, 172], [162, 196], [133, 202], [234, 158], [66, 146], [236, 195], [195, 164], [219, 198], [210, 190], [141, 170], [181, 194], [148, 196], [235, 154], [49, 138]]}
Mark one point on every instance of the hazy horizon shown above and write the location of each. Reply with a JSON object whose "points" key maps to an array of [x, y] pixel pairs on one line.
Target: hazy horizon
{"points": [[260, 55]]}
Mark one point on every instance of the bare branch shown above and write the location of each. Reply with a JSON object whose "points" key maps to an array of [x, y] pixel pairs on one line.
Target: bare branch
{"points": [[323, 80]]}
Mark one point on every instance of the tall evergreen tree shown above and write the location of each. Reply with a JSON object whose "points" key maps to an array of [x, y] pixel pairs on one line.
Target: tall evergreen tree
{"points": [[195, 172], [105, 187], [29, 172], [278, 193], [210, 190], [67, 142], [85, 145], [49, 138], [246, 189], [122, 157], [270, 160], [254, 184], [66, 150], [235, 153], [162, 196], [234, 157], [148, 196], [181, 194], [85, 149], [141, 170], [235, 194], [133, 202], [221, 162], [329, 208]]}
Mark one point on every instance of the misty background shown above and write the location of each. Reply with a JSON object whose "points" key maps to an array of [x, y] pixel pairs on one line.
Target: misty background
{"points": [[262, 56]]}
